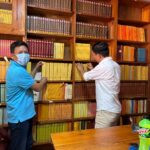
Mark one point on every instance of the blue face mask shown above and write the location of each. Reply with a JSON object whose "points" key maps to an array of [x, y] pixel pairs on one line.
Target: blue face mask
{"points": [[23, 59]]}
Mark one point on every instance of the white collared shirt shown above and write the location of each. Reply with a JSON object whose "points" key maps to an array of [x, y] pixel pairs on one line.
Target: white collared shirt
{"points": [[107, 79]]}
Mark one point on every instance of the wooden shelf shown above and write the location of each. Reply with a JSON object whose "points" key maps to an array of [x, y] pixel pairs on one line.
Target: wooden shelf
{"points": [[85, 61], [132, 63], [83, 16], [3, 104], [133, 98], [60, 81], [133, 22], [134, 114], [6, 5], [47, 11], [92, 39], [135, 3], [50, 35], [35, 102], [132, 42], [54, 101], [84, 118], [133, 81], [82, 81], [51, 59], [84, 99], [2, 82], [10, 37], [54, 121], [45, 59], [2, 58]]}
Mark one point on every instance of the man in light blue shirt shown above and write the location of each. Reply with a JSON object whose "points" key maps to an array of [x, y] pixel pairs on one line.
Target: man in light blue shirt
{"points": [[20, 105]]}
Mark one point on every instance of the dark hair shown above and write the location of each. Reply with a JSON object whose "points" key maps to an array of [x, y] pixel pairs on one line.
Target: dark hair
{"points": [[17, 44], [101, 48]]}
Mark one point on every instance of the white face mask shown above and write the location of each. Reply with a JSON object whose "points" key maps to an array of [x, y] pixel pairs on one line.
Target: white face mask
{"points": [[23, 59]]}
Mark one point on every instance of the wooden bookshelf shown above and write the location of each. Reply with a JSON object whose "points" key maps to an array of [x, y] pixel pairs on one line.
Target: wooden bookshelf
{"points": [[134, 81], [134, 98], [2, 82], [84, 16], [134, 16], [53, 101], [6, 5], [85, 99], [138, 3], [86, 61], [88, 39], [132, 63], [132, 42], [83, 118], [52, 35], [18, 28], [134, 114], [54, 13], [54, 121], [51, 59], [133, 22], [82, 81], [2, 104], [60, 81], [45, 11], [135, 12]]}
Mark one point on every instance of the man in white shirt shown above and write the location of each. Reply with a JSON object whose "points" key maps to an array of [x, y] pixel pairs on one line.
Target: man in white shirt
{"points": [[107, 80]]}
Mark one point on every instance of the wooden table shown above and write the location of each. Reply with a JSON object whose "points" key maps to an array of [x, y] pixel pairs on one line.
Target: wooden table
{"points": [[114, 138]]}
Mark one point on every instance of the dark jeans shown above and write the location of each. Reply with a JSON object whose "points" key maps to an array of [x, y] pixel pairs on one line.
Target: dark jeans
{"points": [[21, 135]]}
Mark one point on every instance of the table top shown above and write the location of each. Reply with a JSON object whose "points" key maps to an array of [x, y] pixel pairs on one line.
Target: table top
{"points": [[113, 138]]}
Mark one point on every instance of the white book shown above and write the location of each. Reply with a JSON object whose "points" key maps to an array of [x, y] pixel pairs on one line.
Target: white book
{"points": [[68, 91], [38, 76], [36, 96]]}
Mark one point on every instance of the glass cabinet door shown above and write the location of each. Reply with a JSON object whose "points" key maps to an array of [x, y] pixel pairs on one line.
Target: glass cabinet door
{"points": [[12, 17]]}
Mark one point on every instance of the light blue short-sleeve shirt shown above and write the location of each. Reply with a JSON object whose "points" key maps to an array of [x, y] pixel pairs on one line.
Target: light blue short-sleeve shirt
{"points": [[19, 95]]}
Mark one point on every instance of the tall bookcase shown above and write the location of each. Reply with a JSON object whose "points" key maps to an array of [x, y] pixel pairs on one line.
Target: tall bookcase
{"points": [[12, 27], [134, 16], [83, 22]]}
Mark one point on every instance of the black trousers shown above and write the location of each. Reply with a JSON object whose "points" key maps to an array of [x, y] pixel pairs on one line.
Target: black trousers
{"points": [[21, 135]]}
